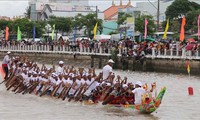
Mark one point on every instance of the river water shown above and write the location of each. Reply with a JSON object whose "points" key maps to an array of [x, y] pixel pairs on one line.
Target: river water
{"points": [[176, 104]]}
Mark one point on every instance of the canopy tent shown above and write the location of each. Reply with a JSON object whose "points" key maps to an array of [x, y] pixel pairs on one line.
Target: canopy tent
{"points": [[103, 37], [191, 40], [150, 39]]}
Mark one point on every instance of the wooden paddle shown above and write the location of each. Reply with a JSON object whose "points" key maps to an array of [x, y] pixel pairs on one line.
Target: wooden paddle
{"points": [[80, 96], [75, 92], [45, 91], [56, 89], [67, 92]]}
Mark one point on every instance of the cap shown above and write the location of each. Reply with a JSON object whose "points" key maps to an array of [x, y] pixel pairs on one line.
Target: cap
{"points": [[8, 52], [61, 62], [125, 86], [108, 84], [138, 83], [111, 61]]}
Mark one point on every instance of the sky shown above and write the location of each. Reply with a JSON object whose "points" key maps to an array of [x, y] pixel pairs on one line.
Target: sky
{"points": [[12, 8]]}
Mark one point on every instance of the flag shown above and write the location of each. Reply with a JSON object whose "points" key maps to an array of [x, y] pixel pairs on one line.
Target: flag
{"points": [[95, 30], [34, 33], [74, 33], [199, 27], [19, 34], [52, 34], [7, 33], [182, 33], [188, 68], [166, 29], [145, 28]]}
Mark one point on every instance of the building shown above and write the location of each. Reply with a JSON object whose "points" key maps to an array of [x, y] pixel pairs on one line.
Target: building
{"points": [[42, 9], [150, 8], [111, 13], [4, 18]]}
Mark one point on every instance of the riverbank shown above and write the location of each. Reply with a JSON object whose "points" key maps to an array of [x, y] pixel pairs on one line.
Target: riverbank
{"points": [[177, 66]]}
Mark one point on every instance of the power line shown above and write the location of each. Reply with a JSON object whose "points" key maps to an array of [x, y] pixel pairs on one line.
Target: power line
{"points": [[153, 5]]}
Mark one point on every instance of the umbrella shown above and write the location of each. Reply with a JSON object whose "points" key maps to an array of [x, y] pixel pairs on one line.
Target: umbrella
{"points": [[103, 40], [190, 46], [191, 40], [149, 39]]}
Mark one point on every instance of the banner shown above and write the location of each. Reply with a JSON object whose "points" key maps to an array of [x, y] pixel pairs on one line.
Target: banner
{"points": [[182, 33], [7, 33], [166, 30], [95, 30], [19, 34], [199, 27], [145, 29], [34, 33], [52, 35]]}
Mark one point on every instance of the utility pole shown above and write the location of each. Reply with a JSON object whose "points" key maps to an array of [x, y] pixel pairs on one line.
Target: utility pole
{"points": [[97, 12], [158, 15]]}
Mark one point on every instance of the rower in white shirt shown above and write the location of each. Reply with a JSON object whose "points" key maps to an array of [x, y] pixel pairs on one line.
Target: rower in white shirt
{"points": [[60, 68], [107, 69], [138, 92]]}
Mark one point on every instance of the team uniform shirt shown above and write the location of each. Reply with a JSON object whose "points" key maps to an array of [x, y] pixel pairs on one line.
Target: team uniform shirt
{"points": [[92, 87], [6, 61], [59, 81], [53, 81], [60, 70], [138, 92], [25, 76], [106, 71]]}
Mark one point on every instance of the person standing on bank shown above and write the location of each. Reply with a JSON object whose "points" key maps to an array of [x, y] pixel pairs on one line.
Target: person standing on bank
{"points": [[5, 64], [107, 69]]}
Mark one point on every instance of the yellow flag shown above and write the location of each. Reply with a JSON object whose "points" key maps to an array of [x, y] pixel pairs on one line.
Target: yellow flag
{"points": [[166, 29], [95, 30], [188, 68]]}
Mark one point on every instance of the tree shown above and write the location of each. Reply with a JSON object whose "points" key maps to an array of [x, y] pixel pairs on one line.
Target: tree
{"points": [[122, 16], [191, 18], [28, 12], [3, 24], [88, 22], [179, 8], [139, 24], [63, 24], [40, 25]]}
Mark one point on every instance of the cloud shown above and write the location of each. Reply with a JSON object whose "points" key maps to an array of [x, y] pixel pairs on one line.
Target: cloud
{"points": [[11, 8]]}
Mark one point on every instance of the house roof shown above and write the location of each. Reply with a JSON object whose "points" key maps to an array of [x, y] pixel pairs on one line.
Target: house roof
{"points": [[112, 11]]}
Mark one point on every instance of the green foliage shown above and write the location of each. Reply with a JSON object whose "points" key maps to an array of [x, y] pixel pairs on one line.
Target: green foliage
{"points": [[62, 24], [28, 12], [139, 24], [88, 22], [122, 16], [26, 27], [177, 9]]}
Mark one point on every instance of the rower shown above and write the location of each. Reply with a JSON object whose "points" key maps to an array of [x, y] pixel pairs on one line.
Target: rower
{"points": [[60, 67], [107, 69], [138, 92], [5, 64]]}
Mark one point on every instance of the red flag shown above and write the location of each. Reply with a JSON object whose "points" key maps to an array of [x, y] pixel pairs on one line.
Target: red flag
{"points": [[199, 27], [145, 31], [182, 33], [7, 33]]}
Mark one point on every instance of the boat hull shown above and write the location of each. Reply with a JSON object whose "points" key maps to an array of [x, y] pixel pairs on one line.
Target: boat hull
{"points": [[147, 108]]}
